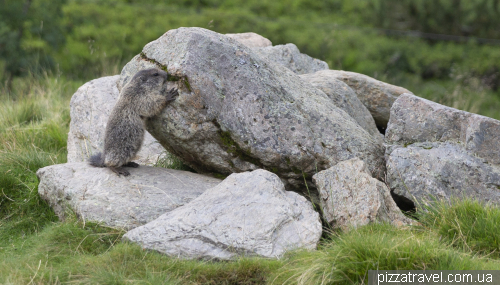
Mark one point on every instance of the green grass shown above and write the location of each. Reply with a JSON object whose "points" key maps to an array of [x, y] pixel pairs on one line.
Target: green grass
{"points": [[72, 252], [37, 248], [347, 257], [466, 224], [168, 160], [33, 130], [77, 253]]}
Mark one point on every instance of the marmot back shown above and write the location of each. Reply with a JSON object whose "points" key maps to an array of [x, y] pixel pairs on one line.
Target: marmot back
{"points": [[144, 96]]}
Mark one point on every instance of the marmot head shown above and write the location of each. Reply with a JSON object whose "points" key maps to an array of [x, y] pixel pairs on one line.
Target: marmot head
{"points": [[147, 81]]}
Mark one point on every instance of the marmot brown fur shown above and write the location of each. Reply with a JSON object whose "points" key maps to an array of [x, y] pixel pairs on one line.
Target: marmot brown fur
{"points": [[144, 96]]}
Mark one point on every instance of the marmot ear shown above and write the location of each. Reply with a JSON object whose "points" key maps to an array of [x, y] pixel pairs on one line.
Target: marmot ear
{"points": [[143, 78]]}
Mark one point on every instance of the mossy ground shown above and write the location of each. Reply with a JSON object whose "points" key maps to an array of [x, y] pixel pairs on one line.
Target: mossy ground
{"points": [[37, 248]]}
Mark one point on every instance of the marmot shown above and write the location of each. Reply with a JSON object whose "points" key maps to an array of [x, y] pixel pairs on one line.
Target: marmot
{"points": [[144, 96]]}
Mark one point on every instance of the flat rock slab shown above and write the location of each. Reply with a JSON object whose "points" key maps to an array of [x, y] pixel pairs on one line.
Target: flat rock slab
{"points": [[90, 107], [290, 57], [376, 95], [247, 214], [99, 195], [421, 172], [237, 112], [350, 197]]}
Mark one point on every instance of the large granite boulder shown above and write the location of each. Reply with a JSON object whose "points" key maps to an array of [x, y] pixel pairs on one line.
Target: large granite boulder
{"points": [[251, 40], [246, 214], [343, 97], [376, 95], [90, 107], [350, 197], [237, 112], [290, 57], [99, 195], [434, 150]]}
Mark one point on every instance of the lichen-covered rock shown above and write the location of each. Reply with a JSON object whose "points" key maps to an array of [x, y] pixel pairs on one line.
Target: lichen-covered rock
{"points": [[343, 97], [434, 150], [237, 112], [246, 214], [90, 107], [290, 57], [251, 40], [350, 197], [99, 195], [376, 95], [422, 172]]}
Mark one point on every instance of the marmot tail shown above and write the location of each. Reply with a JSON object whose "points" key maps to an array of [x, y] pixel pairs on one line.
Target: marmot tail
{"points": [[97, 160]]}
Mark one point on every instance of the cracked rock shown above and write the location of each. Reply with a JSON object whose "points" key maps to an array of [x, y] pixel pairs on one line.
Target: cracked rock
{"points": [[247, 214], [435, 151], [237, 112]]}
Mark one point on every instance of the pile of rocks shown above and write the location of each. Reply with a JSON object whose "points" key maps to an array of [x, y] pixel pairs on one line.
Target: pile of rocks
{"points": [[283, 127]]}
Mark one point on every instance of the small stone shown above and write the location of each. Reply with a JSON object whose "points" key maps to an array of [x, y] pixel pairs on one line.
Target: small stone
{"points": [[350, 197]]}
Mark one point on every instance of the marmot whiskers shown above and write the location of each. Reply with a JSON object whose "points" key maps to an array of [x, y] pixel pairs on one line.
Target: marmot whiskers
{"points": [[144, 96]]}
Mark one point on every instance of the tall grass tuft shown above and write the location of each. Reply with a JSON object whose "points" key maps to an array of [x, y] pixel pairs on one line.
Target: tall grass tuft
{"points": [[347, 258], [466, 224]]}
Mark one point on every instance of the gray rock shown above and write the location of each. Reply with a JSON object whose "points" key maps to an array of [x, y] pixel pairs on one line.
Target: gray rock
{"points": [[237, 112], [290, 57], [376, 95], [89, 109], [421, 172], [251, 40], [247, 214], [350, 197], [99, 195], [343, 97], [414, 119], [438, 151]]}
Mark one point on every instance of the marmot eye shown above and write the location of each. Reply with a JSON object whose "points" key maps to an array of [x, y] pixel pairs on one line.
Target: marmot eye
{"points": [[156, 74]]}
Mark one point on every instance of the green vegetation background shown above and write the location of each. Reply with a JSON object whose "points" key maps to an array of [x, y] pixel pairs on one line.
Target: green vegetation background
{"points": [[444, 50]]}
